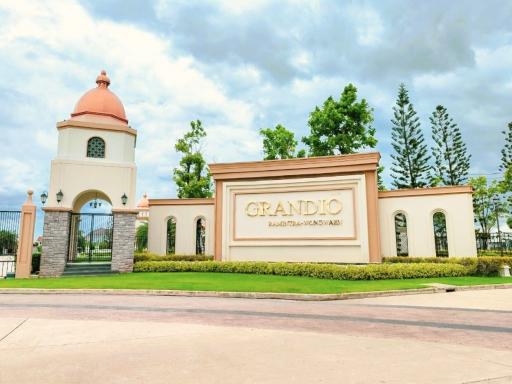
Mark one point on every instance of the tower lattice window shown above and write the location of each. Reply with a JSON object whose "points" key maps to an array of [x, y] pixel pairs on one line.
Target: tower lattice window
{"points": [[96, 147]]}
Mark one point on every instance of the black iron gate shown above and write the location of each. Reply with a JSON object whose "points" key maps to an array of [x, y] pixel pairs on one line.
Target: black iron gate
{"points": [[9, 231], [90, 237]]}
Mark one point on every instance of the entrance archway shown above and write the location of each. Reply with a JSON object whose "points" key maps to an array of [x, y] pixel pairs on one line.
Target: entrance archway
{"points": [[91, 229]]}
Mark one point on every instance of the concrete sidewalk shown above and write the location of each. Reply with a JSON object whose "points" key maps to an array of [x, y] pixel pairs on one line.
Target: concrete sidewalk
{"points": [[126, 339]]}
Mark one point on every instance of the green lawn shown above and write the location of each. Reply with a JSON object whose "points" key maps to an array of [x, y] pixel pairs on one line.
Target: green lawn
{"points": [[232, 282]]}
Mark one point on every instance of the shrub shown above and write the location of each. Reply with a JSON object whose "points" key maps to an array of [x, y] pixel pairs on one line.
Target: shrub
{"points": [[321, 271], [479, 266], [490, 266], [406, 259], [144, 256], [36, 262]]}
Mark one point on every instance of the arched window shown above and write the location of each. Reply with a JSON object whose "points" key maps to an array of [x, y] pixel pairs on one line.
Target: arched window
{"points": [[96, 147], [171, 235], [440, 234], [200, 236], [402, 243]]}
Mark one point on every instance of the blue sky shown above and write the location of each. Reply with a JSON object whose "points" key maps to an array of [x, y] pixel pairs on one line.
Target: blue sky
{"points": [[244, 65]]}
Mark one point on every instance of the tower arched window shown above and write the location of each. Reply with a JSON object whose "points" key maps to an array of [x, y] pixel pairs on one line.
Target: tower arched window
{"points": [[171, 235], [440, 234], [200, 236], [402, 241], [96, 147]]}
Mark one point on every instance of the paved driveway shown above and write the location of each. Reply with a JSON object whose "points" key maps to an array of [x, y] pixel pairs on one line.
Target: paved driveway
{"points": [[457, 337]]}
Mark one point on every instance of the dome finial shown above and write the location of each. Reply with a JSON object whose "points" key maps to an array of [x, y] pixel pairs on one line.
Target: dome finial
{"points": [[102, 79]]}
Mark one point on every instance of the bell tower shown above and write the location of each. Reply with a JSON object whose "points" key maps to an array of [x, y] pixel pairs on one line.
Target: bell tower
{"points": [[95, 159]]}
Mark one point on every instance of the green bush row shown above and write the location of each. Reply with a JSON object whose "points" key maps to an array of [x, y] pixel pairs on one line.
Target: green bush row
{"points": [[322, 271], [479, 266], [145, 256]]}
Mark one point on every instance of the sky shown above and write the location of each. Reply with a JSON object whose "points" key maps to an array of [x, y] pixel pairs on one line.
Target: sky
{"points": [[240, 66]]}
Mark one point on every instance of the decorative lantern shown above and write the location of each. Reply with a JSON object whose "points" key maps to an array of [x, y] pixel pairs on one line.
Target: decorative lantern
{"points": [[44, 197], [124, 199], [60, 195]]}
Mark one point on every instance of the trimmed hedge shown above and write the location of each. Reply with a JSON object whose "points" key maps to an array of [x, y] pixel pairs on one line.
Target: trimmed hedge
{"points": [[406, 259], [321, 271], [479, 266], [144, 256]]}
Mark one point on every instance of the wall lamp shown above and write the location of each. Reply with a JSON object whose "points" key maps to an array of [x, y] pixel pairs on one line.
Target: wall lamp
{"points": [[59, 195], [44, 197], [124, 199]]}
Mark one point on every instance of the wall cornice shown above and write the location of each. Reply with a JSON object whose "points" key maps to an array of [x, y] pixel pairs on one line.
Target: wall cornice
{"points": [[93, 125], [205, 201], [325, 165], [434, 191]]}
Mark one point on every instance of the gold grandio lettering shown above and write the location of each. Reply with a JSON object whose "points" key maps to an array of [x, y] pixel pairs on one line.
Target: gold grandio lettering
{"points": [[324, 207]]}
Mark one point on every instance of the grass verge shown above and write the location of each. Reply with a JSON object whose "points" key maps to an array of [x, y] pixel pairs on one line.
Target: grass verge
{"points": [[236, 282]]}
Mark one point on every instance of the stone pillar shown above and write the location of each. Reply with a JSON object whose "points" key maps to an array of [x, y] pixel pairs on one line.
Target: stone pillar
{"points": [[55, 241], [123, 244], [26, 239]]}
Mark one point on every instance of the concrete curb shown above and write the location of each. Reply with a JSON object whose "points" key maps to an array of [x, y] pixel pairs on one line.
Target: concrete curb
{"points": [[254, 295]]}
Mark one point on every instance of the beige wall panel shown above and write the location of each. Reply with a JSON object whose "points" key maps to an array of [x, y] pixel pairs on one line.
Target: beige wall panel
{"points": [[186, 216], [119, 146], [304, 253], [255, 238], [74, 177], [419, 210]]}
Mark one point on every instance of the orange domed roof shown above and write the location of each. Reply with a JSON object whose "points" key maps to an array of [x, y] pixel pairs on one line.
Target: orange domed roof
{"points": [[101, 101], [144, 202]]}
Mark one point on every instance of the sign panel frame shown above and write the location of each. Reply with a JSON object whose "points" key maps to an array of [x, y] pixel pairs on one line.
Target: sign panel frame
{"points": [[276, 190]]}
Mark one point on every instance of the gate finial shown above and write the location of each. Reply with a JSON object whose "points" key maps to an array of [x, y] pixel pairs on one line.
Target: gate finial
{"points": [[30, 192]]}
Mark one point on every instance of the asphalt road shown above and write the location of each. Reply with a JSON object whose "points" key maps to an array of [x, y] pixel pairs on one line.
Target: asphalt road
{"points": [[460, 337]]}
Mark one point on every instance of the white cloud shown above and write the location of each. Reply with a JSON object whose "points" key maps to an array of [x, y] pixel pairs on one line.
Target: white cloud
{"points": [[53, 50]]}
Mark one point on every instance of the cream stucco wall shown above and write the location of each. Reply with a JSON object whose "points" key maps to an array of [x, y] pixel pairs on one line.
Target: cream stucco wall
{"points": [[77, 175], [186, 217], [119, 146], [419, 210], [315, 247]]}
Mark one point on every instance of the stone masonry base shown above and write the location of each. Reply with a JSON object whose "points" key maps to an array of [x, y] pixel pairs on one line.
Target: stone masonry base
{"points": [[123, 242], [55, 243]]}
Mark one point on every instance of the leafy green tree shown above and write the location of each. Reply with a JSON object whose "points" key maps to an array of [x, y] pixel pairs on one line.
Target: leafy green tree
{"points": [[410, 166], [451, 160], [506, 152], [341, 126], [279, 143], [8, 241], [141, 237], [483, 205], [192, 178]]}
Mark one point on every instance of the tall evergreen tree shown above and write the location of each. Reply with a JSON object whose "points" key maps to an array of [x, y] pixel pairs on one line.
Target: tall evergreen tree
{"points": [[506, 152], [451, 160], [410, 167]]}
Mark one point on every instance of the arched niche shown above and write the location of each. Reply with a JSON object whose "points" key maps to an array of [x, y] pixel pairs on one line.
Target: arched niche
{"points": [[170, 242], [440, 233], [401, 233], [200, 235]]}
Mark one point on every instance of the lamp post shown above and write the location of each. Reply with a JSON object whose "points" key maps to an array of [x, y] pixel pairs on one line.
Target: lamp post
{"points": [[496, 201]]}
